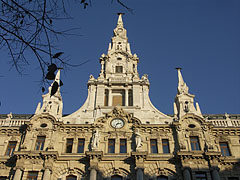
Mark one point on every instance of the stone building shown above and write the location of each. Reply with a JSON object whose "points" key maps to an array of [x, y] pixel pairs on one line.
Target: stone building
{"points": [[118, 134]]}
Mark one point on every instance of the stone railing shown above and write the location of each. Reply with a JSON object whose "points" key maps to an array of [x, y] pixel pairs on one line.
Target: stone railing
{"points": [[226, 123], [12, 122]]}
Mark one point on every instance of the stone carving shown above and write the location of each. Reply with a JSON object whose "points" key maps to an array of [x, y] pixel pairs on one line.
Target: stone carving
{"points": [[95, 140], [91, 77], [9, 116], [138, 140]]}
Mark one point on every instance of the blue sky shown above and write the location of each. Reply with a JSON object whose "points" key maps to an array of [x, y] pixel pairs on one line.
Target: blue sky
{"points": [[201, 36]]}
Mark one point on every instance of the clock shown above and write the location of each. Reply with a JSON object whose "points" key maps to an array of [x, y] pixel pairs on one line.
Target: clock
{"points": [[117, 123]]}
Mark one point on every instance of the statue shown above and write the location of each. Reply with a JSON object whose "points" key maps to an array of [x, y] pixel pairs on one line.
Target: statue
{"points": [[138, 139], [95, 140], [9, 116]]}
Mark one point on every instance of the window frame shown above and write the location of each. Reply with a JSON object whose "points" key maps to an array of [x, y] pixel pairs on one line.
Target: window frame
{"points": [[10, 149], [40, 142], [195, 143], [223, 150], [69, 143], [71, 176], [154, 144], [119, 69], [111, 146], [80, 148], [123, 146], [165, 144], [32, 177], [200, 175]]}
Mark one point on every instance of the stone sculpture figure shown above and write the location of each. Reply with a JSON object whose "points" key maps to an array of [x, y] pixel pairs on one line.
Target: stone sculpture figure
{"points": [[95, 140], [138, 139]]}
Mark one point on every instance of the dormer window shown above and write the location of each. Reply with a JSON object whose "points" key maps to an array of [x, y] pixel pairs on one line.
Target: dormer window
{"points": [[119, 69]]}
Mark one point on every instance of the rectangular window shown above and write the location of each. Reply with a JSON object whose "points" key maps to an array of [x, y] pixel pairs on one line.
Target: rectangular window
{"points": [[81, 143], [11, 147], [118, 97], [119, 69], [165, 146], [111, 146], [69, 145], [224, 149], [3, 178], [40, 143], [130, 97], [32, 175], [194, 143], [201, 176], [106, 94], [153, 144], [123, 146]]}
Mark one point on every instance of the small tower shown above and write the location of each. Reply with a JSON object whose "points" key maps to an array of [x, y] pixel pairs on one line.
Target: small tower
{"points": [[184, 101], [52, 104]]}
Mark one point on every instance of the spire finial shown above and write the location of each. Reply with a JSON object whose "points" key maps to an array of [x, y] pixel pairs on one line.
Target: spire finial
{"points": [[182, 86], [120, 21]]}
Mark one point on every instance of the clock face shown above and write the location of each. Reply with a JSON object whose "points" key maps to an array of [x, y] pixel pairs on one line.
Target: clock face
{"points": [[117, 123]]}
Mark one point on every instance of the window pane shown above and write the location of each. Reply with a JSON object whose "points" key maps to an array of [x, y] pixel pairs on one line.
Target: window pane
{"points": [[11, 147], [194, 143], [40, 143], [165, 146], [224, 149], [111, 146], [201, 176], [119, 69], [69, 145], [123, 146], [162, 178], [130, 98], [81, 143], [71, 177], [106, 96], [116, 177], [153, 144], [32, 175]]}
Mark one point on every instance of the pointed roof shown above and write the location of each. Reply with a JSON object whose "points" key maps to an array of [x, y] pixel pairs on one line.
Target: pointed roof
{"points": [[182, 86], [120, 21], [120, 31]]}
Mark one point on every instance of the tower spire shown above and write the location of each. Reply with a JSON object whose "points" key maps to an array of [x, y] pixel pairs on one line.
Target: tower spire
{"points": [[52, 104], [182, 86], [184, 101]]}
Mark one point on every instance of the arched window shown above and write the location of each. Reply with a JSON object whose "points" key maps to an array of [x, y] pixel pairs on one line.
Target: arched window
{"points": [[71, 177], [116, 177], [162, 178]]}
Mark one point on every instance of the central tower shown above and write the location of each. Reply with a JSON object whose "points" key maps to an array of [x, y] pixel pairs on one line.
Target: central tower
{"points": [[118, 84]]}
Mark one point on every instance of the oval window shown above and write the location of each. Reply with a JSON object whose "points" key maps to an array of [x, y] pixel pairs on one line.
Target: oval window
{"points": [[191, 126], [43, 125]]}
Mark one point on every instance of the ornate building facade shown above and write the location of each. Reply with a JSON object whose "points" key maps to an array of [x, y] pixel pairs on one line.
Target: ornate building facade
{"points": [[118, 134]]}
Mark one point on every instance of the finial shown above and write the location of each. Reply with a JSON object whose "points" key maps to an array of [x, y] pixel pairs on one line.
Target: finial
{"points": [[182, 86], [120, 21]]}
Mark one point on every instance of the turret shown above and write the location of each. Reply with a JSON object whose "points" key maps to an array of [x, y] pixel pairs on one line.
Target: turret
{"points": [[52, 104], [184, 101]]}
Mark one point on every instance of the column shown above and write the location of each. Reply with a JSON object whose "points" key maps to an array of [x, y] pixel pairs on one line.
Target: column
{"points": [[110, 97], [93, 174], [18, 174], [47, 174], [186, 174], [139, 174], [215, 174], [126, 97]]}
